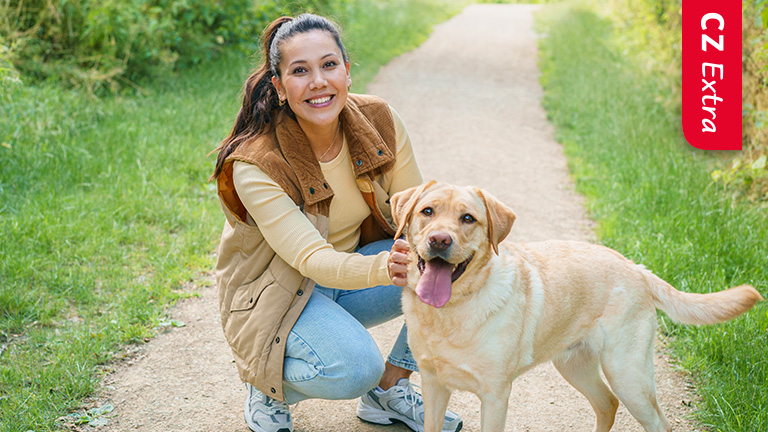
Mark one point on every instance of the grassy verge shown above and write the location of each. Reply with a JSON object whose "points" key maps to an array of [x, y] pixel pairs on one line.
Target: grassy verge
{"points": [[105, 210], [655, 202]]}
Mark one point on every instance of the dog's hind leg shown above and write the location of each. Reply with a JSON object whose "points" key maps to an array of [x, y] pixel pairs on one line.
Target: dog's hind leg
{"points": [[436, 397], [627, 361], [581, 368]]}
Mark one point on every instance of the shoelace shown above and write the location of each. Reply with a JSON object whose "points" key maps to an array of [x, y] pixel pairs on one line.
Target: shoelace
{"points": [[411, 398], [276, 407], [281, 408]]}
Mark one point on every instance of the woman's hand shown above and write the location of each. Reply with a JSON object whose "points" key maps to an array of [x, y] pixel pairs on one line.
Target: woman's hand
{"points": [[398, 262]]}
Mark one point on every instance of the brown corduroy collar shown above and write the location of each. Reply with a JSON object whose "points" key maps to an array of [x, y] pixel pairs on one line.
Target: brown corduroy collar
{"points": [[369, 130]]}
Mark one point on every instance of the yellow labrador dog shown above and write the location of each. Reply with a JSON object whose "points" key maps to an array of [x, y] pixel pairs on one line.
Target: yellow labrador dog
{"points": [[481, 312]]}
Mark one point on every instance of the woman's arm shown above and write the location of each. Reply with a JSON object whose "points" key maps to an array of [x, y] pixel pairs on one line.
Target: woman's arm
{"points": [[295, 239]]}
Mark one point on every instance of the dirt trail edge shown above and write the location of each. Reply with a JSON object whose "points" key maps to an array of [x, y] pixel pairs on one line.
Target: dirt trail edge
{"points": [[471, 99]]}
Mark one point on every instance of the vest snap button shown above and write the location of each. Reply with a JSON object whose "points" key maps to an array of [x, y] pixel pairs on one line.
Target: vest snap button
{"points": [[325, 185], [300, 292], [311, 191], [277, 340], [380, 152], [359, 162], [251, 300], [273, 390]]}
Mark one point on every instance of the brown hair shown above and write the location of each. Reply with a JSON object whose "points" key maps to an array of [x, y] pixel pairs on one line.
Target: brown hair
{"points": [[260, 99]]}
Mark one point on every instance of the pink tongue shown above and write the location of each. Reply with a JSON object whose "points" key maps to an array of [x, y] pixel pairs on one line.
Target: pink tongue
{"points": [[434, 287]]}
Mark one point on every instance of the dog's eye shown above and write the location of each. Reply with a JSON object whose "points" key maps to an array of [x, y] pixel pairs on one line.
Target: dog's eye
{"points": [[427, 211], [468, 218]]}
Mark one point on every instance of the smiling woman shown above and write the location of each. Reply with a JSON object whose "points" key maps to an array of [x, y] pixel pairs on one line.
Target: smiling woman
{"points": [[304, 263]]}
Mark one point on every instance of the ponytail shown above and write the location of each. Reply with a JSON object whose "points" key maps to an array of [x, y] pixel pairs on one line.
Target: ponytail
{"points": [[259, 101]]}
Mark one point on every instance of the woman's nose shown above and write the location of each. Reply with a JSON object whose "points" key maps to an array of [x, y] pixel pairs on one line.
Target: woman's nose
{"points": [[318, 80]]}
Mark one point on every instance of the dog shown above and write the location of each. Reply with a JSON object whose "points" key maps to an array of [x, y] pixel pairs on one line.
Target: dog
{"points": [[480, 311]]}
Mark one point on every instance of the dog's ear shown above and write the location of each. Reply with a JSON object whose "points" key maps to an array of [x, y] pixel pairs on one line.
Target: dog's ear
{"points": [[403, 203], [500, 219]]}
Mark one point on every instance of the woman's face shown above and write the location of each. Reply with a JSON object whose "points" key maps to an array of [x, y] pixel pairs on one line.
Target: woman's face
{"points": [[314, 78]]}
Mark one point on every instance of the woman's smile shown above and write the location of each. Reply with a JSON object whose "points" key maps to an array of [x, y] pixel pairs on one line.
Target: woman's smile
{"points": [[320, 101]]}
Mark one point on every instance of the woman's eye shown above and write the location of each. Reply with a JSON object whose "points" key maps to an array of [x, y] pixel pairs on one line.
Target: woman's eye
{"points": [[299, 70], [329, 64], [468, 218], [427, 211]]}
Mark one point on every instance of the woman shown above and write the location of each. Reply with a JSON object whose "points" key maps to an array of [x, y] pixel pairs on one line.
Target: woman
{"points": [[304, 263]]}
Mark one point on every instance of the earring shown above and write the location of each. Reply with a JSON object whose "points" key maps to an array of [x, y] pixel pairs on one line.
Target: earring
{"points": [[282, 102]]}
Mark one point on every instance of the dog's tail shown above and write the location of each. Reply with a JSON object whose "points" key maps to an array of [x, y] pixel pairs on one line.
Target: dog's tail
{"points": [[699, 309]]}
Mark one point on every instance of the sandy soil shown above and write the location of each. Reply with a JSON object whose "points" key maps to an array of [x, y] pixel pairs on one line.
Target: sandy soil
{"points": [[471, 99]]}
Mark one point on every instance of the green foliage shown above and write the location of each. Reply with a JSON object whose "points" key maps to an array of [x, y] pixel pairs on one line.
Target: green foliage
{"points": [[96, 43], [651, 32], [753, 183], [745, 179], [655, 202]]}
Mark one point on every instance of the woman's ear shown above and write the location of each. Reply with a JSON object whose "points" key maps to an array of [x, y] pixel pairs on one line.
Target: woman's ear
{"points": [[349, 77], [278, 87]]}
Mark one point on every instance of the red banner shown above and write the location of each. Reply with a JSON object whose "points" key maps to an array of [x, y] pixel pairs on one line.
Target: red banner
{"points": [[712, 74]]}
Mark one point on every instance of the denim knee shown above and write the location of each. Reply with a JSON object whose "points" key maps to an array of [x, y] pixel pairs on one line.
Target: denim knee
{"points": [[354, 374]]}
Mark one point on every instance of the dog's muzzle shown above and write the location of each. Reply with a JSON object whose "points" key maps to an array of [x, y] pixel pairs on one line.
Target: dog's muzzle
{"points": [[437, 276]]}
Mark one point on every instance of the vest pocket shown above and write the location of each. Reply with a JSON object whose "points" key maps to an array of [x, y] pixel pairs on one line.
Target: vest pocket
{"points": [[247, 296], [256, 313]]}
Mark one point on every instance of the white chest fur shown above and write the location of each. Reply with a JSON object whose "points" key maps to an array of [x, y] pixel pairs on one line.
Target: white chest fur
{"points": [[442, 338]]}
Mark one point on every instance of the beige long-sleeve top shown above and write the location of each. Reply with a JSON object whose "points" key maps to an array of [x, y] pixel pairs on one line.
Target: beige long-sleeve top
{"points": [[331, 263]]}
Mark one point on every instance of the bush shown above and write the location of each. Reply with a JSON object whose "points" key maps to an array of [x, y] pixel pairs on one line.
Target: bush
{"points": [[96, 44]]}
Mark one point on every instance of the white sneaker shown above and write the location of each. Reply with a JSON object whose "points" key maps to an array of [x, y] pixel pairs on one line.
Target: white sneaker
{"points": [[264, 414], [400, 403]]}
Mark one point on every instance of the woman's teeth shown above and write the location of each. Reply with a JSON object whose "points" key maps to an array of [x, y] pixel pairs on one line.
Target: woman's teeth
{"points": [[320, 100]]}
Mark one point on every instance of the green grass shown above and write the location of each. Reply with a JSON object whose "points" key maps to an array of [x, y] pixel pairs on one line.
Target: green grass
{"points": [[105, 213], [654, 201], [105, 210]]}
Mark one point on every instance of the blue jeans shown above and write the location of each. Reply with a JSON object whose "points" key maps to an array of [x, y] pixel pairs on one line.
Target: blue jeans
{"points": [[330, 354]]}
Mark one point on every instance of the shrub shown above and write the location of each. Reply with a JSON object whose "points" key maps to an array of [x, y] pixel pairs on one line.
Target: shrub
{"points": [[98, 44]]}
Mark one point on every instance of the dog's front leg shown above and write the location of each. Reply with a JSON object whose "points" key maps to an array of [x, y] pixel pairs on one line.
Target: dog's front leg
{"points": [[436, 397], [494, 410]]}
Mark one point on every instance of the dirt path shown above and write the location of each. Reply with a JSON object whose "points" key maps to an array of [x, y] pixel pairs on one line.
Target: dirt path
{"points": [[470, 97]]}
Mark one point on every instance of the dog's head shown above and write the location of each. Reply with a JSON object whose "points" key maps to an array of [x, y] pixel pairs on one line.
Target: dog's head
{"points": [[450, 229]]}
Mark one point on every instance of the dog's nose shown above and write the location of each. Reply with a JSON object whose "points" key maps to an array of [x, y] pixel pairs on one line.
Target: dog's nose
{"points": [[440, 240]]}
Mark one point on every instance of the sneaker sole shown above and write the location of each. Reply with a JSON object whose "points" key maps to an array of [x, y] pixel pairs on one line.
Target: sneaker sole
{"points": [[376, 416], [254, 427]]}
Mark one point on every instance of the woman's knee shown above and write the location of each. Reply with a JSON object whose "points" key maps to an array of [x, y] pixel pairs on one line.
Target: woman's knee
{"points": [[350, 377], [343, 370]]}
